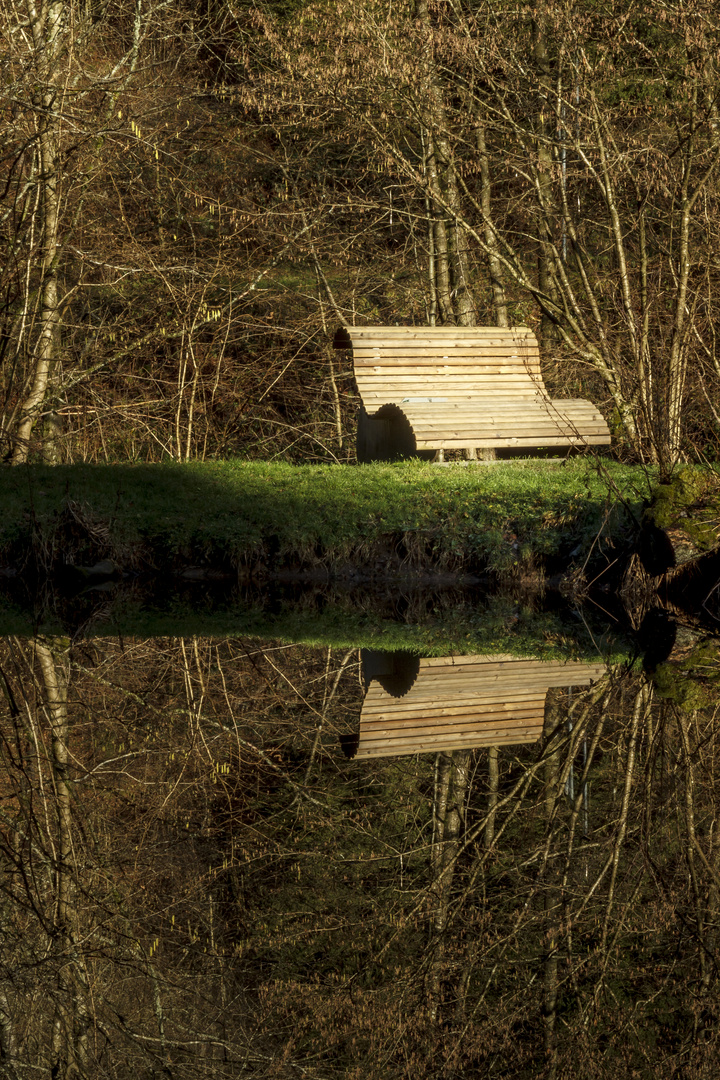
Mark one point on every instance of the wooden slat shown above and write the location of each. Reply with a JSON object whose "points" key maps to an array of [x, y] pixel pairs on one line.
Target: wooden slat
{"points": [[513, 679], [521, 432], [440, 383], [542, 407], [510, 444], [375, 401], [474, 410], [442, 333], [383, 373], [471, 343], [508, 426], [442, 375], [469, 712], [508, 671], [468, 692], [501, 663], [433, 743], [488, 351], [478, 689], [495, 661], [465, 744], [374, 726], [486, 433], [464, 700], [531, 719], [466, 731], [398, 395], [421, 725], [505, 422]]}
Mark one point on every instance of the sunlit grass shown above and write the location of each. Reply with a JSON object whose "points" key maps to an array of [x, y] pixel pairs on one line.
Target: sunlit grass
{"points": [[327, 513]]}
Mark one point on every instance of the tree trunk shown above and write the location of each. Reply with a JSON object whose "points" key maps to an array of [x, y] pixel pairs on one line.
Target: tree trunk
{"points": [[493, 252], [47, 25], [544, 173]]}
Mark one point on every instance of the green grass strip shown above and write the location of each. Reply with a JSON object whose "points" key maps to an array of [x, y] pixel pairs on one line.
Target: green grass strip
{"points": [[324, 514]]}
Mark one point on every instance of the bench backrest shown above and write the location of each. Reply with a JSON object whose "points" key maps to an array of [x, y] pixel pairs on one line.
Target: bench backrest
{"points": [[450, 363]]}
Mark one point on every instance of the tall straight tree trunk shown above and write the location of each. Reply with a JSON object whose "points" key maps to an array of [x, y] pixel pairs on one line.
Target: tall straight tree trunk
{"points": [[544, 169], [450, 247], [493, 254], [440, 241], [47, 25]]}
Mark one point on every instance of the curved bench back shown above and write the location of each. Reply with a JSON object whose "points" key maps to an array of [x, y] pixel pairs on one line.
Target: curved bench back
{"points": [[442, 363]]}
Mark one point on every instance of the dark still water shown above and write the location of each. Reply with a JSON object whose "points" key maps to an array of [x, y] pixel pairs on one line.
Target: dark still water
{"points": [[489, 849]]}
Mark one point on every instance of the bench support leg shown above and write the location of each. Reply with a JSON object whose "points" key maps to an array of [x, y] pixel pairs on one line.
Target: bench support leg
{"points": [[485, 454]]}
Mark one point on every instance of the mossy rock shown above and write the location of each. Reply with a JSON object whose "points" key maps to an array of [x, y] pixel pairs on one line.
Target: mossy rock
{"points": [[687, 508], [694, 681]]}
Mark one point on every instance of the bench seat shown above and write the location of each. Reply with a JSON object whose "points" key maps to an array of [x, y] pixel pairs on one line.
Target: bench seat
{"points": [[425, 389]]}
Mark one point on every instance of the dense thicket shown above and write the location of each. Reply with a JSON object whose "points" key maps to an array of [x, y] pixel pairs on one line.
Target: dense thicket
{"points": [[194, 196]]}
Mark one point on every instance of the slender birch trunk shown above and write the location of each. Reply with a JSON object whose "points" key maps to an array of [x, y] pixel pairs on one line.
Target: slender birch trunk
{"points": [[47, 25]]}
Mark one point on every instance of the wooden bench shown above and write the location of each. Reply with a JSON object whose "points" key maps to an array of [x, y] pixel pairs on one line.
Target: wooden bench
{"points": [[426, 389], [459, 702]]}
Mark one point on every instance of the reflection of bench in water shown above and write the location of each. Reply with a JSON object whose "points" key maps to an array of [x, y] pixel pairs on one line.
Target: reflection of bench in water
{"points": [[451, 703]]}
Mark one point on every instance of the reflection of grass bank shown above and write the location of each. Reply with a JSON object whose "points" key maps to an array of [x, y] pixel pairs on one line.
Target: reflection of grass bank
{"points": [[267, 515], [452, 626]]}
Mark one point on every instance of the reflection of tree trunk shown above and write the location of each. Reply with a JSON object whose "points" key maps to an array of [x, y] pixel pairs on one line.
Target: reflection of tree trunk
{"points": [[493, 787], [551, 901], [449, 815], [691, 843], [8, 1041], [712, 905], [72, 1021], [641, 708]]}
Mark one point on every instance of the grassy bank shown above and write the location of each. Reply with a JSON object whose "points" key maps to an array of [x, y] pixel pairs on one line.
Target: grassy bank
{"points": [[410, 516]]}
